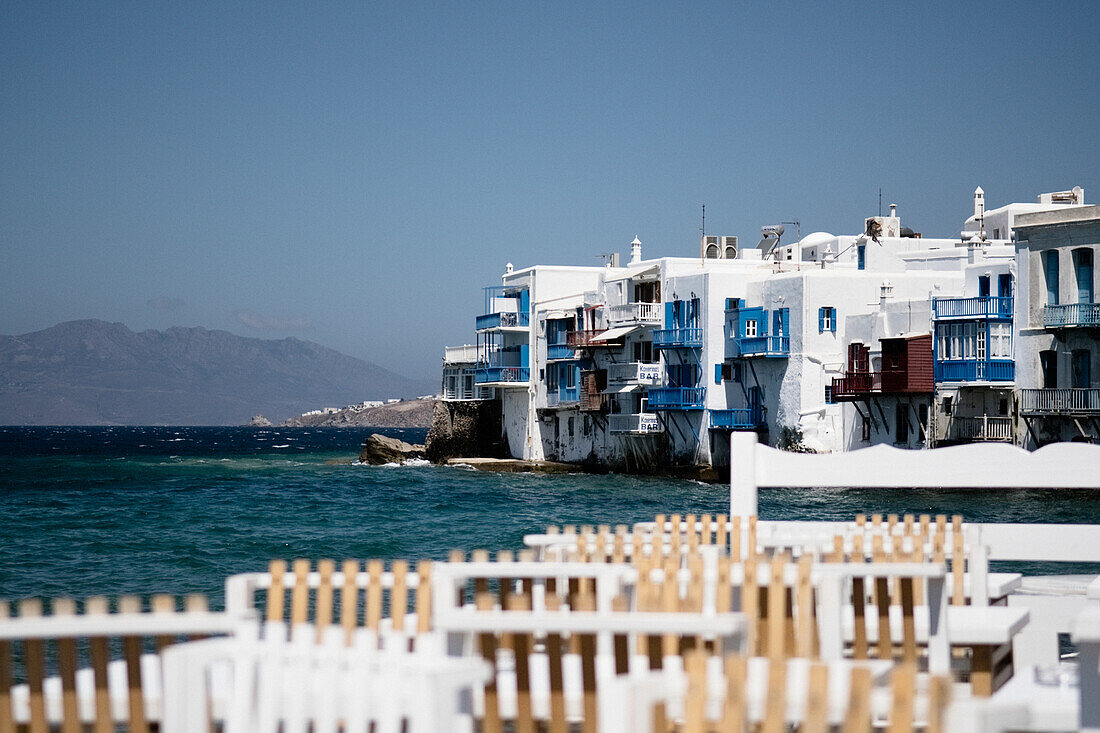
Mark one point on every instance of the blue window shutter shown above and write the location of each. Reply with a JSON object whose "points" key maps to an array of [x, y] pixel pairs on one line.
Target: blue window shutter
{"points": [[820, 320], [832, 321], [670, 317], [718, 373]]}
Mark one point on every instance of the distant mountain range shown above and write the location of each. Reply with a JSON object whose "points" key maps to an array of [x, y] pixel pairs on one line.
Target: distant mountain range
{"points": [[96, 373]]}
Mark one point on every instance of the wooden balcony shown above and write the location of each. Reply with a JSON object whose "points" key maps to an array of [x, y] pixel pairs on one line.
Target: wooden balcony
{"points": [[1073, 315], [982, 429], [1073, 401]]}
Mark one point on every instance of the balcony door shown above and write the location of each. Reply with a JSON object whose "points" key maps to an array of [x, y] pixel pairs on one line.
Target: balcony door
{"points": [[1082, 267], [1048, 362], [1050, 271], [1081, 363]]}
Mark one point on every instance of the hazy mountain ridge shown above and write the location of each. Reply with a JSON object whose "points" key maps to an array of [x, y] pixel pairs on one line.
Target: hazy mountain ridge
{"points": [[94, 372]]}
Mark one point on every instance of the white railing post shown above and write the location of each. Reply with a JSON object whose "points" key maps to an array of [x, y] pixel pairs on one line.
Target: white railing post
{"points": [[743, 474]]}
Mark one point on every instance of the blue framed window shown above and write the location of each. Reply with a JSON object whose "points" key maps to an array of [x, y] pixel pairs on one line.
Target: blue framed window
{"points": [[861, 256], [826, 319]]}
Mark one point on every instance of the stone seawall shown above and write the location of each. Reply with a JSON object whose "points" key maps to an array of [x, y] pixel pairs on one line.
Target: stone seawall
{"points": [[465, 430]]}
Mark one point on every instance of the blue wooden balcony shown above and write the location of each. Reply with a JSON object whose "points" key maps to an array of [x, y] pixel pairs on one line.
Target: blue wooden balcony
{"points": [[491, 321], [677, 398], [984, 306], [1073, 315], [678, 338], [559, 351], [771, 347], [737, 418], [973, 370], [502, 374]]}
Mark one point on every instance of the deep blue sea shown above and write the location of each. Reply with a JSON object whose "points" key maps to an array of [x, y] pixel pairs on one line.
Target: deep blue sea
{"points": [[175, 510]]}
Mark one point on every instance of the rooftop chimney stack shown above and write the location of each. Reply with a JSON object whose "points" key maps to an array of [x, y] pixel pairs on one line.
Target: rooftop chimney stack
{"points": [[979, 203], [893, 210], [635, 251]]}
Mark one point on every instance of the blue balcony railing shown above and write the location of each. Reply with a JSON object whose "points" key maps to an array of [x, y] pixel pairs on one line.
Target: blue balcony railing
{"points": [[673, 338], [766, 346], [559, 351], [677, 398], [737, 418], [983, 306], [502, 320], [972, 370], [1071, 315], [495, 374]]}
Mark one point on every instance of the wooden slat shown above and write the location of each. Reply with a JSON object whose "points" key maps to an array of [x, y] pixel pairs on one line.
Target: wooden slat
{"points": [[326, 568], [734, 710], [587, 602], [7, 720], [96, 606], [777, 597], [750, 606], [35, 666], [939, 697], [488, 644], [424, 597], [695, 664], [66, 666], [908, 625], [724, 592], [399, 593], [481, 585], [817, 701], [721, 532], [161, 604], [806, 646], [374, 595], [705, 534], [885, 649], [775, 702], [504, 585], [621, 641], [857, 718], [692, 533], [349, 600], [735, 539], [903, 681], [751, 546], [131, 646], [958, 562], [522, 644], [275, 594], [670, 601], [299, 599], [981, 670], [195, 603], [554, 651]]}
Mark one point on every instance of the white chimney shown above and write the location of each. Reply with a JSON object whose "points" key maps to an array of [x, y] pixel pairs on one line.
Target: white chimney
{"points": [[979, 203], [508, 268], [635, 251], [893, 210]]}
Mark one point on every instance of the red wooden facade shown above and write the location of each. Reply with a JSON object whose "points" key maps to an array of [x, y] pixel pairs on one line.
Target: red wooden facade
{"points": [[906, 369]]}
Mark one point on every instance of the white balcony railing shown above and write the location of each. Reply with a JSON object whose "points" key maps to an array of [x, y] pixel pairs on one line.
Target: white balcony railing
{"points": [[466, 354], [982, 428], [641, 313], [1081, 401], [643, 423], [634, 373]]}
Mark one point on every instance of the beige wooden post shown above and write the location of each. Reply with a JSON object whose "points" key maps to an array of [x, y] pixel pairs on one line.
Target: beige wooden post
{"points": [[587, 602], [399, 593], [775, 702], [488, 644], [132, 650], [521, 646], [373, 616], [958, 562], [817, 701], [97, 647], [903, 681], [326, 569], [66, 667], [695, 665], [424, 596], [721, 532], [734, 710], [554, 651], [275, 594], [299, 599], [161, 604], [349, 600], [7, 719], [806, 641], [34, 663], [857, 718]]}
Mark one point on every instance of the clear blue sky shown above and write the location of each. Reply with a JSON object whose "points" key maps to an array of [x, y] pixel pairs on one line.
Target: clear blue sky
{"points": [[354, 173]]}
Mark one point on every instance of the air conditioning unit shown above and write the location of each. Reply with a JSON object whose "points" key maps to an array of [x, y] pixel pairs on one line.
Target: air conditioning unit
{"points": [[708, 248], [728, 248]]}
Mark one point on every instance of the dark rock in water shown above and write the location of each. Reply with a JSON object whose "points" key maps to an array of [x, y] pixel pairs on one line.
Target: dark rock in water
{"points": [[380, 449]]}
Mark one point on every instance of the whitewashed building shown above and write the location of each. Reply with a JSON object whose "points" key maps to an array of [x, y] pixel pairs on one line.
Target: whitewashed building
{"points": [[828, 343]]}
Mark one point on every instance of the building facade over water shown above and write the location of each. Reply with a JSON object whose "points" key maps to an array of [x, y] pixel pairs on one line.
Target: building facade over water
{"points": [[828, 343]]}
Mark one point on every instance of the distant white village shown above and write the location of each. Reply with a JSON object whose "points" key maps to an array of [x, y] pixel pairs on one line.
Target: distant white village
{"points": [[360, 406], [818, 343]]}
